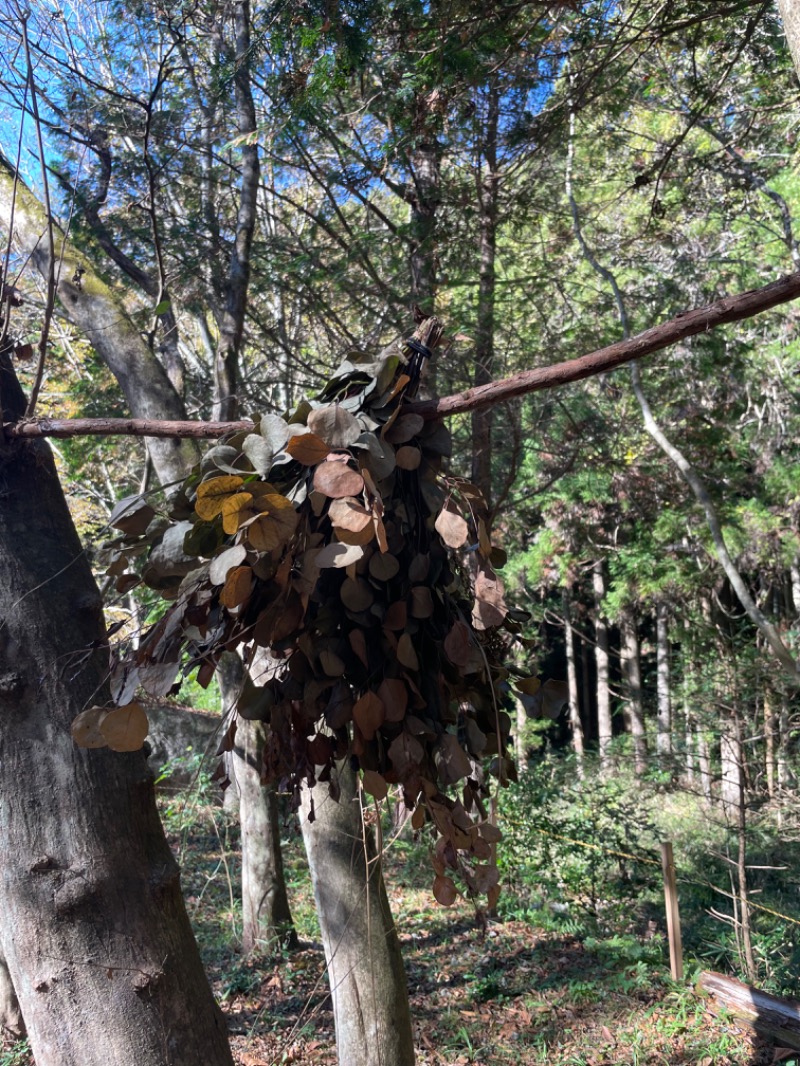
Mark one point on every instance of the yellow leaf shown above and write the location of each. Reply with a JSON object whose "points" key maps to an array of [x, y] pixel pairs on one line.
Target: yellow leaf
{"points": [[235, 510], [211, 495]]}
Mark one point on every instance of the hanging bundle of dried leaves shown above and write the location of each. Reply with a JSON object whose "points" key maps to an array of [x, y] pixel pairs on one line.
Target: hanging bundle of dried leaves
{"points": [[358, 580]]}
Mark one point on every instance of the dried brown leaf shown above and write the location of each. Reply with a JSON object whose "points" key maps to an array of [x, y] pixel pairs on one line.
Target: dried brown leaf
{"points": [[237, 587], [444, 890], [452, 528], [336, 480], [421, 602], [375, 784], [308, 449], [347, 513], [408, 457], [406, 427], [356, 594], [85, 728], [369, 714], [125, 728], [383, 567], [394, 694], [406, 653]]}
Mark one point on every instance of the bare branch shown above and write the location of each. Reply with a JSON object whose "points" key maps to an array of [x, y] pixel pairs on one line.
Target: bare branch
{"points": [[687, 324]]}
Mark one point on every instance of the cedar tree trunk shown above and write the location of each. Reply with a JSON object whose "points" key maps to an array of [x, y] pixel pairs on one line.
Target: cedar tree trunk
{"points": [[362, 949]]}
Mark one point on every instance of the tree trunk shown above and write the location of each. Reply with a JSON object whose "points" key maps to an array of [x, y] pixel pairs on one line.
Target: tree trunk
{"points": [[704, 763], [575, 724], [634, 711], [731, 765], [12, 1026], [769, 738], [362, 950], [91, 306], [488, 180], [266, 916], [95, 932], [663, 694], [790, 15], [601, 659]]}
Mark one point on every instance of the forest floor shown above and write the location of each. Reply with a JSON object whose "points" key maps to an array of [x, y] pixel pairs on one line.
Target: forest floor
{"points": [[524, 990], [527, 989]]}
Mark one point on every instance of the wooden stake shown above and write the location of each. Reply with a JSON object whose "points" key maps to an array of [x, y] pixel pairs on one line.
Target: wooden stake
{"points": [[673, 916]]}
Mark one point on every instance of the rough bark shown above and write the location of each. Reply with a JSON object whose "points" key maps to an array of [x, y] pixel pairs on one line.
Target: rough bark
{"points": [[12, 1025], [362, 950], [488, 189], [423, 198], [731, 767], [266, 915], [604, 727], [575, 724], [663, 693], [790, 16], [704, 763], [634, 710], [774, 1018], [770, 731], [94, 309], [95, 933]]}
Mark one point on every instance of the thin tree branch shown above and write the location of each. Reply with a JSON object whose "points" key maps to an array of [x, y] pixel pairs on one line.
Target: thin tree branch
{"points": [[687, 324], [50, 298]]}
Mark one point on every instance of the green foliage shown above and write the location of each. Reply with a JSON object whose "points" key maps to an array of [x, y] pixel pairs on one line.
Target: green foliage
{"points": [[569, 842], [18, 1054]]}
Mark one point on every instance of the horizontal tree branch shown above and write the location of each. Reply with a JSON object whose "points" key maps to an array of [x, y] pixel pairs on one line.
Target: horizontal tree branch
{"points": [[688, 324], [122, 427]]}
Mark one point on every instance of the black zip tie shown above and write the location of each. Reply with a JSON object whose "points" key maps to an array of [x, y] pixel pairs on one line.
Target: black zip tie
{"points": [[421, 351]]}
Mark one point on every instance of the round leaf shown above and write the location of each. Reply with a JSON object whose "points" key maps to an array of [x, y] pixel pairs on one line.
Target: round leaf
{"points": [[444, 890], [225, 562], [85, 728], [347, 513], [452, 528], [369, 714], [339, 555], [238, 585], [337, 480], [308, 449], [408, 457], [335, 425], [375, 784], [124, 728]]}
